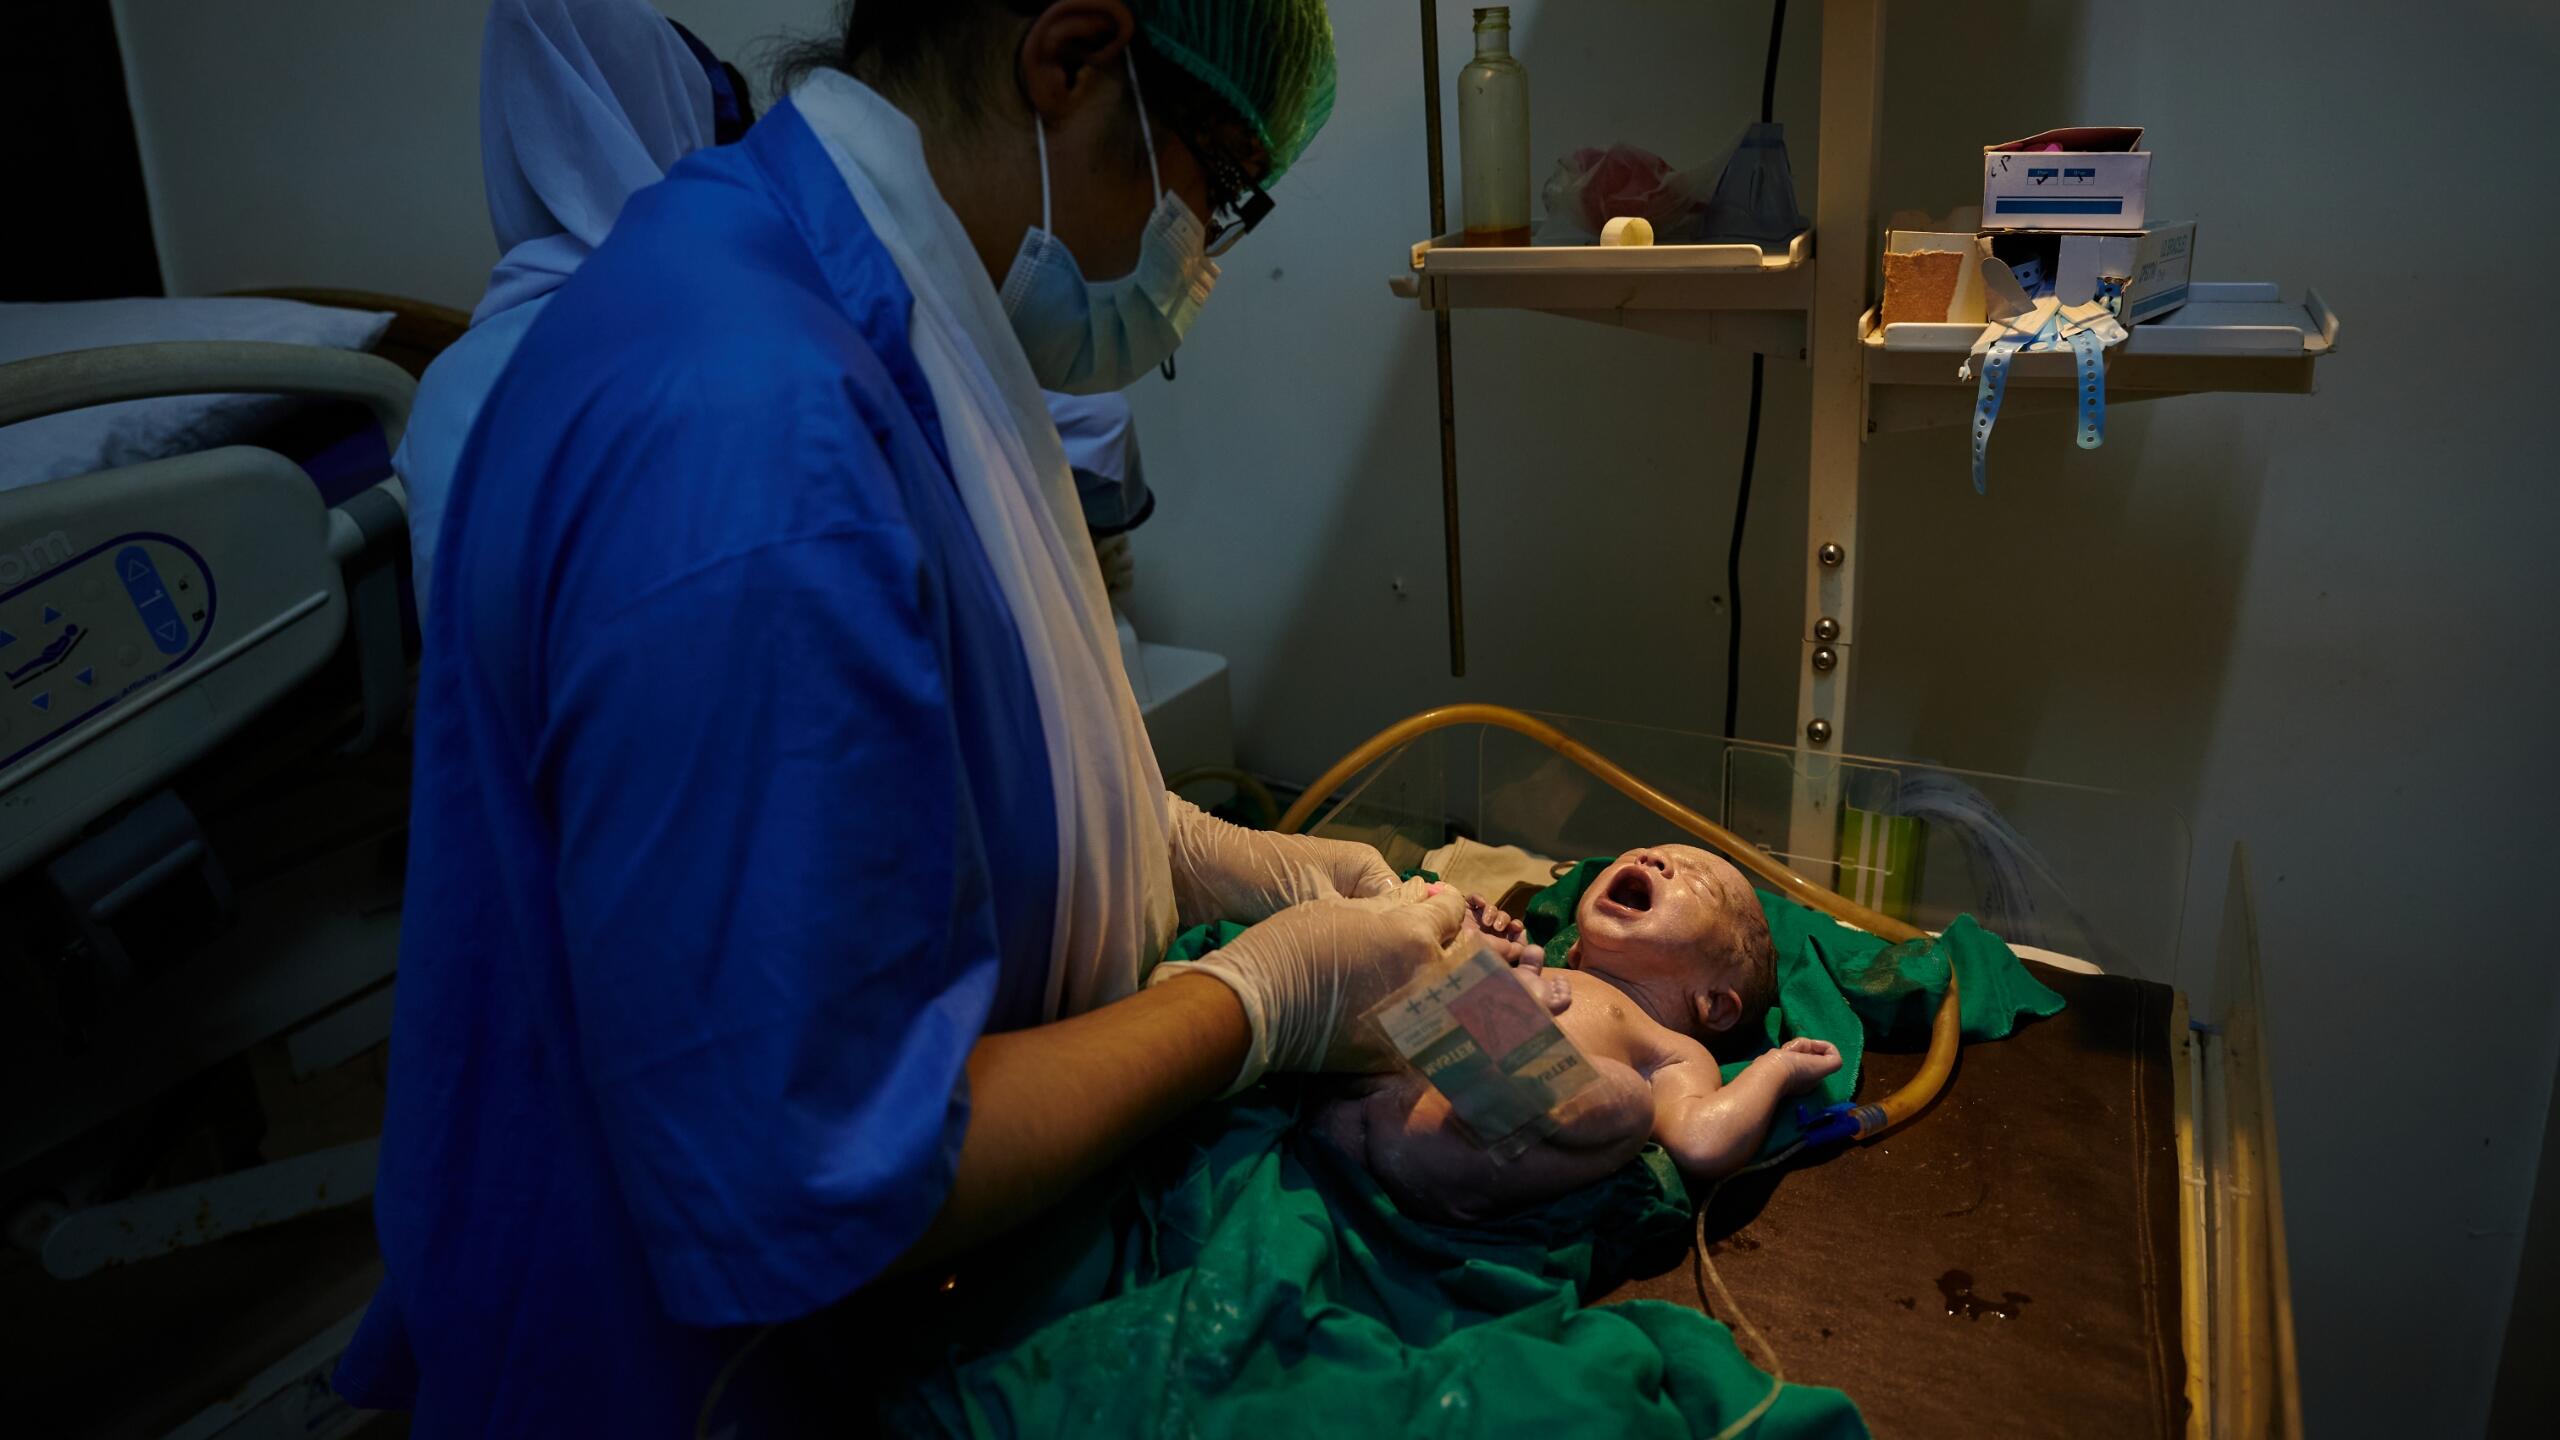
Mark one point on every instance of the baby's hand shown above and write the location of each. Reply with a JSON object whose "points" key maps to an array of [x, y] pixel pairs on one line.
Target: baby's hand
{"points": [[1484, 915], [1507, 938], [1806, 1060]]}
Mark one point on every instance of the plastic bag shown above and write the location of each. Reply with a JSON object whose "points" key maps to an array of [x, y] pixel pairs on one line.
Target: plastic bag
{"points": [[1755, 199], [1592, 186], [1747, 195]]}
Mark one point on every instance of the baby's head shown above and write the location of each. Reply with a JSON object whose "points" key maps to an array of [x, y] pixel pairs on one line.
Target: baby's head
{"points": [[1681, 931]]}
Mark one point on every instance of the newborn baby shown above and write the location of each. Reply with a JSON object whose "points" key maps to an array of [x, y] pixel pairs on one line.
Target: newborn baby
{"points": [[1673, 954]]}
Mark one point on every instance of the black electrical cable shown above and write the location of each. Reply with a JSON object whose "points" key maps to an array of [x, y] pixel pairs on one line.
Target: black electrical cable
{"points": [[1750, 431], [1769, 76], [1733, 556]]}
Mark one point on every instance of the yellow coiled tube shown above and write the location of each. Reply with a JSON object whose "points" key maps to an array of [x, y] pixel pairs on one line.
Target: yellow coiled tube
{"points": [[1945, 1032]]}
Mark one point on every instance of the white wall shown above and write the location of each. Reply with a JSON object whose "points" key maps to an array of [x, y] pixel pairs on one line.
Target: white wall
{"points": [[2317, 623], [2312, 622], [315, 142], [1297, 456], [298, 142]]}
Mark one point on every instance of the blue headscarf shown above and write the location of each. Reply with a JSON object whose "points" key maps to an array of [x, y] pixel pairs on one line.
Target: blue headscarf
{"points": [[582, 103]]}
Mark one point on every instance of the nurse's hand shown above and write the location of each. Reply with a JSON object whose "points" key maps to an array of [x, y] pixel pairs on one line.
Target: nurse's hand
{"points": [[1309, 976], [1227, 872]]}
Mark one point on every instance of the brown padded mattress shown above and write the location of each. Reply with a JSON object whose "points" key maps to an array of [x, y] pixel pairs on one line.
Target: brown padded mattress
{"points": [[2008, 1262]]}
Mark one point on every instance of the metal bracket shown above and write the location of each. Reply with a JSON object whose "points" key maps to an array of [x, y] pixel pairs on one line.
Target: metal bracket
{"points": [[85, 1241], [150, 849]]}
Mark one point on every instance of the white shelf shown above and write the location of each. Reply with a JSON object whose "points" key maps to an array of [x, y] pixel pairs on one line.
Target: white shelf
{"points": [[1741, 293], [2227, 337]]}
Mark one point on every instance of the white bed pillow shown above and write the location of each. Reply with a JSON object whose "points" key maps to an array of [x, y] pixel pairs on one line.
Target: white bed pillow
{"points": [[102, 437]]}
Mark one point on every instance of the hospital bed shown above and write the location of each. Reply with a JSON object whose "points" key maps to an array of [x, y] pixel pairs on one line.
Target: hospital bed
{"points": [[2083, 1231], [205, 678]]}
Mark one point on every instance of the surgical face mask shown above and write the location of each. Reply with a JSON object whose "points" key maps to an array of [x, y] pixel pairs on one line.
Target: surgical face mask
{"points": [[1083, 338]]}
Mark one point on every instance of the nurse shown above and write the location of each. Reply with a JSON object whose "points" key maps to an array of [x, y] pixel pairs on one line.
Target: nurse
{"points": [[1100, 437], [786, 852], [582, 102]]}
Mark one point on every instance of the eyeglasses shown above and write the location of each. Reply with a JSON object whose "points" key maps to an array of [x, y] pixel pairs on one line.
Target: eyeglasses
{"points": [[1236, 202]]}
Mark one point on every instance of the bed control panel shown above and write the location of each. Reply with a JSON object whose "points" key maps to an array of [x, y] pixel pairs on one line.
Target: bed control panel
{"points": [[146, 615], [94, 628]]}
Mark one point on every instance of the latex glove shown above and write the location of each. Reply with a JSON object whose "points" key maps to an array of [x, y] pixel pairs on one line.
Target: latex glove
{"points": [[1119, 567], [1309, 976], [1488, 926], [1227, 872]]}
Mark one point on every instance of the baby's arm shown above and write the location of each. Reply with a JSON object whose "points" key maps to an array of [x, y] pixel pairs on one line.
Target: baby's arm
{"points": [[1713, 1129]]}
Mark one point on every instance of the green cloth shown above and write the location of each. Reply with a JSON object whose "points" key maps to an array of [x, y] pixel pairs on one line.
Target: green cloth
{"points": [[1838, 984], [1247, 1280], [1241, 1278]]}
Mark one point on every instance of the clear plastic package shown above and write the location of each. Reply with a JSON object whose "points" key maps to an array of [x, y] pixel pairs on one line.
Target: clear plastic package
{"points": [[1590, 187], [1746, 195], [1479, 1036]]}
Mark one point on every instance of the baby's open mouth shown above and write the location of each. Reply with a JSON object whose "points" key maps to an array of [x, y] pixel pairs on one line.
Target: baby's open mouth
{"points": [[1631, 890]]}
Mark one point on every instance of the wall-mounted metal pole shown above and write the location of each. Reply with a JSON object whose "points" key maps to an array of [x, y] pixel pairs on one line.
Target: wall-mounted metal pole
{"points": [[1440, 344]]}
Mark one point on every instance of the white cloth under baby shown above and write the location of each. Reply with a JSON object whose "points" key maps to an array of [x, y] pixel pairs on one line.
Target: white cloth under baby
{"points": [[1488, 870]]}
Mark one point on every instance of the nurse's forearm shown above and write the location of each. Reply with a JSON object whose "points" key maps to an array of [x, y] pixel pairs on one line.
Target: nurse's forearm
{"points": [[1050, 1106]]}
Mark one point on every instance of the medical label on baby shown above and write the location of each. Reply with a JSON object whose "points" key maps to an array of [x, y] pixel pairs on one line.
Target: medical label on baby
{"points": [[1487, 1043]]}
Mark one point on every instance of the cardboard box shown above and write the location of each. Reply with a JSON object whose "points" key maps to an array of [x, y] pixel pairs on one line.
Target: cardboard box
{"points": [[1933, 276], [2163, 264], [2099, 179], [2154, 266]]}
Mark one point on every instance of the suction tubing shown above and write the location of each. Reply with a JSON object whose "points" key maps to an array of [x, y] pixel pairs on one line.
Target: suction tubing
{"points": [[1857, 1123]]}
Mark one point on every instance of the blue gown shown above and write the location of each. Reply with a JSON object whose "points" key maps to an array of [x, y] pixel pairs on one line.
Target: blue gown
{"points": [[449, 398], [723, 733]]}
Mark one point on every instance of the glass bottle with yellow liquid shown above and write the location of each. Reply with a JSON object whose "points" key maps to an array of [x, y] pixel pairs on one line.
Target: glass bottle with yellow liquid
{"points": [[1493, 136]]}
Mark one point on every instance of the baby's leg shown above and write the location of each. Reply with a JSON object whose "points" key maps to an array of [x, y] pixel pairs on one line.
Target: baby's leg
{"points": [[1403, 1131]]}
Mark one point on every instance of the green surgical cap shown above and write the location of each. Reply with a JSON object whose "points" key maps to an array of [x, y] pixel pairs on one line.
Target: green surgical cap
{"points": [[1270, 59]]}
